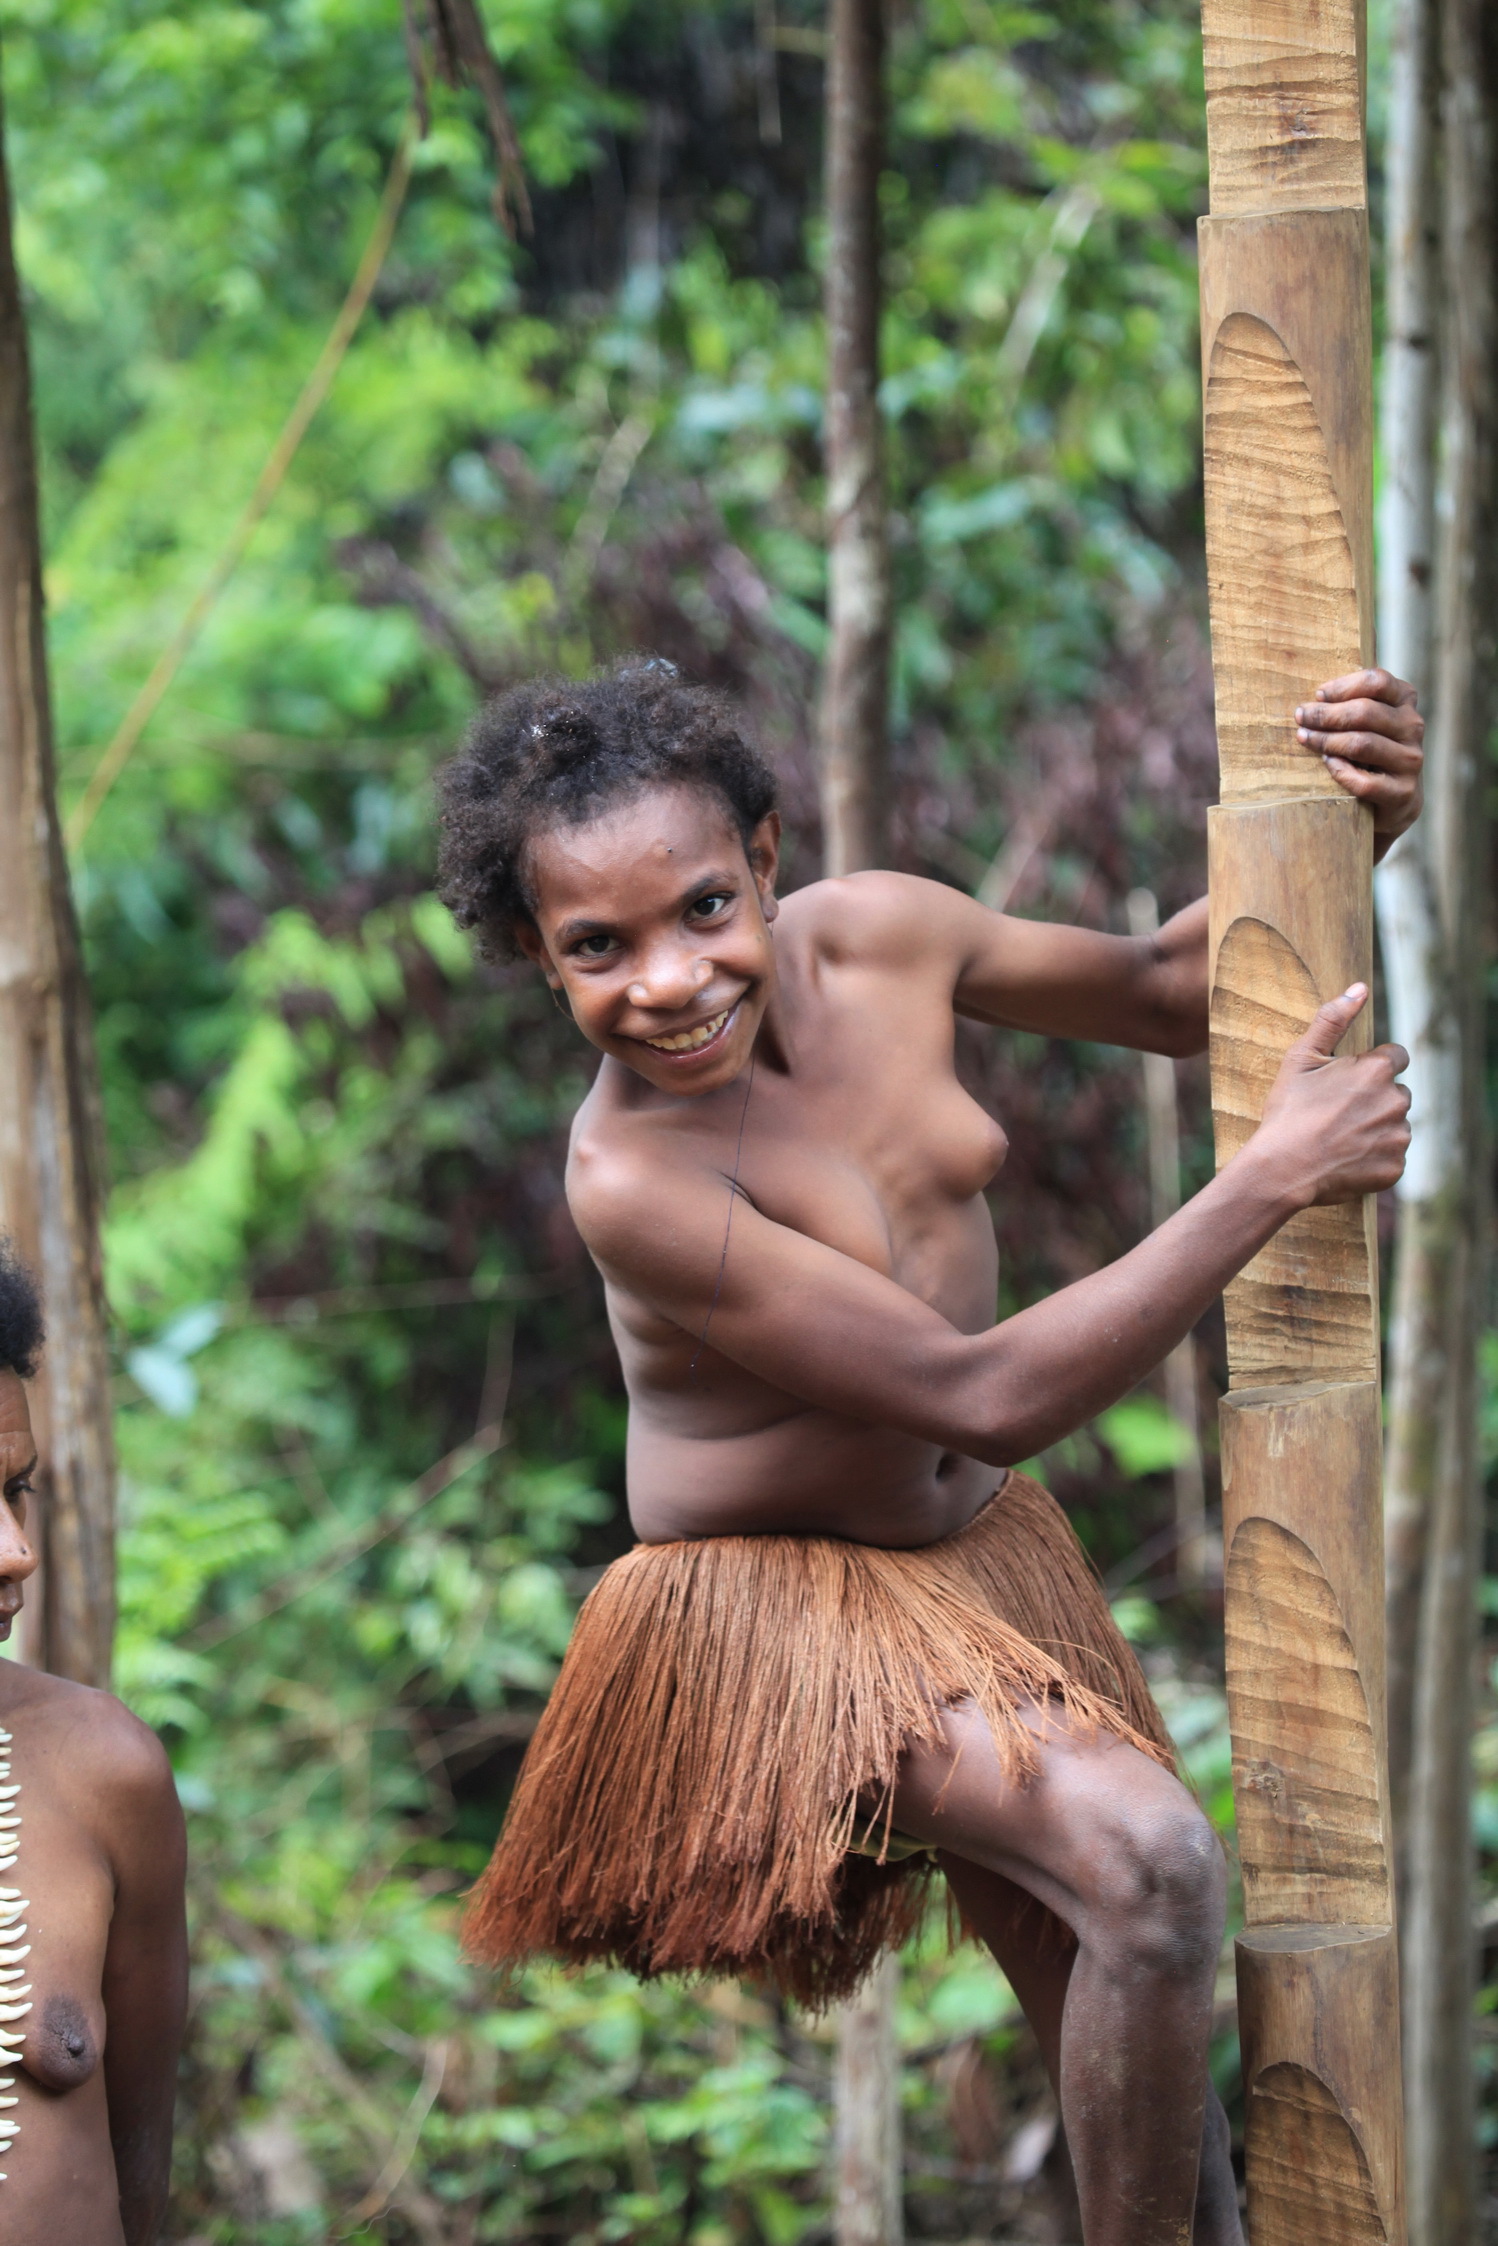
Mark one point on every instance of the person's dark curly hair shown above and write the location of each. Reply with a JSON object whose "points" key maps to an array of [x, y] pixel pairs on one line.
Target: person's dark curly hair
{"points": [[554, 753], [21, 1330]]}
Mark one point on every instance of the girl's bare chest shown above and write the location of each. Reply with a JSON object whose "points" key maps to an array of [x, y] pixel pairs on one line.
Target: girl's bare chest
{"points": [[890, 1170], [52, 1945]]}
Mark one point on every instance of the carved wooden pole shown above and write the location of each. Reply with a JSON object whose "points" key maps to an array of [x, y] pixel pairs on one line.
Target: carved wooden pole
{"points": [[1286, 351], [48, 1175]]}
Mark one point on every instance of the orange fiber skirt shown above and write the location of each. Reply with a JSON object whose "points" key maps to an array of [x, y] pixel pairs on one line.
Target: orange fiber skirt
{"points": [[691, 1800]]}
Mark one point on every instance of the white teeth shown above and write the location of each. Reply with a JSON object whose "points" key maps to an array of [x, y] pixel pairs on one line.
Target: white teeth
{"points": [[688, 1040]]}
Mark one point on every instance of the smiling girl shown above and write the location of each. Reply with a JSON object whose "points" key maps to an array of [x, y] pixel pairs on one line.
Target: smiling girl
{"points": [[854, 1642]]}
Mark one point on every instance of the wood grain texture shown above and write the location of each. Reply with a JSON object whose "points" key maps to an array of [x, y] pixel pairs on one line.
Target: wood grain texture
{"points": [[1317, 1966], [1287, 378], [1280, 571], [1306, 1307], [1308, 1458], [1311, 2175], [1284, 104], [1305, 1763], [1318, 2011]]}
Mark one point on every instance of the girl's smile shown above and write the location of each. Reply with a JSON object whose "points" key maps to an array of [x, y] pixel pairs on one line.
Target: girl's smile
{"points": [[652, 920]]}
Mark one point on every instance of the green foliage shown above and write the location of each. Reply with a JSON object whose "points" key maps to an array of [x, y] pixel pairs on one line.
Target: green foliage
{"points": [[336, 1252], [1143, 1437]]}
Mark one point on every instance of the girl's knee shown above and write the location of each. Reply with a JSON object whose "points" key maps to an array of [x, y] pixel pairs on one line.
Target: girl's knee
{"points": [[1159, 1887]]}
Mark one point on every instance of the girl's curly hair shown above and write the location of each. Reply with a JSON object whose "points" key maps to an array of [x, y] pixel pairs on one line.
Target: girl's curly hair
{"points": [[554, 753], [21, 1330]]}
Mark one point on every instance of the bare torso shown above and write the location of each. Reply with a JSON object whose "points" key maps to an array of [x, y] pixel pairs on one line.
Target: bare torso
{"points": [[856, 1134], [60, 2175], [832, 1363], [86, 1773]]}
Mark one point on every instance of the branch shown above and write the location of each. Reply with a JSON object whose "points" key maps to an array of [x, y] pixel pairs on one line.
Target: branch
{"points": [[319, 382], [393, 1516]]}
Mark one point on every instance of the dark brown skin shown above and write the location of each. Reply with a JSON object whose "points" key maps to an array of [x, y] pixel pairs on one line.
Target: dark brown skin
{"points": [[827, 1364], [102, 1861]]}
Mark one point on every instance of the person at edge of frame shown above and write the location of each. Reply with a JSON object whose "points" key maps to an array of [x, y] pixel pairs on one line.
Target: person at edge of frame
{"points": [[855, 1642], [93, 1933]]}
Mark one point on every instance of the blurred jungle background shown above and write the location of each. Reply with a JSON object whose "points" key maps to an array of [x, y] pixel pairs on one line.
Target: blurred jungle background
{"points": [[369, 1422]]}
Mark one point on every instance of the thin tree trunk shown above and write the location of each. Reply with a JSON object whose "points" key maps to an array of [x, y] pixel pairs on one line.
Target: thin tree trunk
{"points": [[48, 1107], [866, 2106], [1182, 1395], [1409, 926], [855, 834], [855, 756], [1450, 1229]]}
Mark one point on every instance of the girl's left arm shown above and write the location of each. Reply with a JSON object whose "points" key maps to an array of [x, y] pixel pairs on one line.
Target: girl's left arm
{"points": [[1151, 992]]}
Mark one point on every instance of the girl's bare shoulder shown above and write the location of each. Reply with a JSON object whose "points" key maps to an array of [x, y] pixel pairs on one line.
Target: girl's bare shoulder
{"points": [[95, 1738], [875, 919], [622, 1147]]}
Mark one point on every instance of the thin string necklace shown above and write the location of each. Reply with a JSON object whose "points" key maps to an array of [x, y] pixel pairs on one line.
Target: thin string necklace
{"points": [[733, 1194]]}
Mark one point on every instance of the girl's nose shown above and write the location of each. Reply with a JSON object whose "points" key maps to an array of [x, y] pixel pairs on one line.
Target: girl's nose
{"points": [[17, 1555], [669, 980]]}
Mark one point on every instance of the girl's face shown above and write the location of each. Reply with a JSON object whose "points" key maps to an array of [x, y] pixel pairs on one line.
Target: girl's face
{"points": [[653, 922], [17, 1466]]}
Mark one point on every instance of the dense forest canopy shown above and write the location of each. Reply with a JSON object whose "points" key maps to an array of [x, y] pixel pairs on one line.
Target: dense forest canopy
{"points": [[337, 1248]]}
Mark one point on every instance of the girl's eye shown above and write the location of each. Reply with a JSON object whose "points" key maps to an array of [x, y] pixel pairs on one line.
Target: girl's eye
{"points": [[708, 908], [594, 947]]}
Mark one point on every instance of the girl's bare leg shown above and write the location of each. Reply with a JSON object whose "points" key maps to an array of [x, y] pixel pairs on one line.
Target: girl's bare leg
{"points": [[1036, 1955], [1116, 1848]]}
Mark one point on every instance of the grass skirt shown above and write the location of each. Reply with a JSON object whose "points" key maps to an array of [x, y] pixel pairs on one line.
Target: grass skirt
{"points": [[689, 1799]]}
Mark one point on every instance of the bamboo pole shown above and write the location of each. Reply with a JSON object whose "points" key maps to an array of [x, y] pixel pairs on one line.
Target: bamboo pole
{"points": [[1286, 354], [48, 1120]]}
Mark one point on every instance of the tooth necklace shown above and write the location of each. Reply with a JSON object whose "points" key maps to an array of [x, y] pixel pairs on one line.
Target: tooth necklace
{"points": [[13, 1954]]}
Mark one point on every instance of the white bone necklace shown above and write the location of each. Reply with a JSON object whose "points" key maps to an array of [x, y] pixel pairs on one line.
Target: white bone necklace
{"points": [[13, 1954]]}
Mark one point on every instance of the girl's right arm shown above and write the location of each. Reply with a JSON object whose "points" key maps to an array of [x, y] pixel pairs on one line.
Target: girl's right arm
{"points": [[823, 1327]]}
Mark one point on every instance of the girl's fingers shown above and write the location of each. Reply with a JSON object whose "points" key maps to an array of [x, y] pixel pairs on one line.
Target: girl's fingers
{"points": [[1395, 804], [1363, 715], [1383, 686], [1370, 787], [1373, 749]]}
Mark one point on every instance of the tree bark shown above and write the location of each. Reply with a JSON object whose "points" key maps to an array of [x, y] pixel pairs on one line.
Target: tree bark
{"points": [[855, 752], [855, 834], [49, 1136], [866, 2106], [1408, 921], [1434, 1471], [1182, 1394]]}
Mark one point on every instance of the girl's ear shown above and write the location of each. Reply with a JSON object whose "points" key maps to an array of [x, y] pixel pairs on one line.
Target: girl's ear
{"points": [[528, 937], [763, 854]]}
